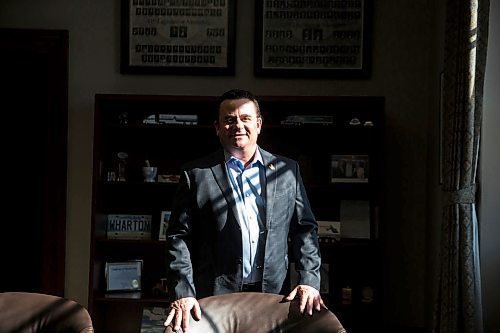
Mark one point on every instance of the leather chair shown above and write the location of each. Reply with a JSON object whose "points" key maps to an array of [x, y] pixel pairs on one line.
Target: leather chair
{"points": [[23, 312], [249, 312]]}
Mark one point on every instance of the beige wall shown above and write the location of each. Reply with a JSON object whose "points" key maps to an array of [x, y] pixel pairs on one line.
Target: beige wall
{"points": [[405, 69], [489, 220]]}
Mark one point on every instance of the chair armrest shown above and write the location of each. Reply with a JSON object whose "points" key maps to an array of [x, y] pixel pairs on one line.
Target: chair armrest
{"points": [[22, 312]]}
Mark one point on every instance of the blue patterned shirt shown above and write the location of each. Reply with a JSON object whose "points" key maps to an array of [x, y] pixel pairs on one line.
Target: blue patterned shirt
{"points": [[250, 204]]}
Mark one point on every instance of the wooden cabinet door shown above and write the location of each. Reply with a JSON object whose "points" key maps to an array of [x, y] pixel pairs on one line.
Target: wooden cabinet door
{"points": [[34, 104]]}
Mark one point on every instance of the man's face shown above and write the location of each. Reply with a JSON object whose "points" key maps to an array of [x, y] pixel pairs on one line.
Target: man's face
{"points": [[238, 126]]}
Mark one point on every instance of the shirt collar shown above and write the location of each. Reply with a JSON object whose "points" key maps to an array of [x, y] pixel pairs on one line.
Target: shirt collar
{"points": [[228, 158]]}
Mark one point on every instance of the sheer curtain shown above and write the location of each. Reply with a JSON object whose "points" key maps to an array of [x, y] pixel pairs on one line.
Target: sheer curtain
{"points": [[458, 306]]}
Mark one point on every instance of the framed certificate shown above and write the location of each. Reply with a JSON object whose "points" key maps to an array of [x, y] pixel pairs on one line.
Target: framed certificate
{"points": [[178, 37], [123, 276], [312, 38]]}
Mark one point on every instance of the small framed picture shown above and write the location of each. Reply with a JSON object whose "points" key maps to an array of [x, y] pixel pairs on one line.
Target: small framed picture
{"points": [[164, 218], [329, 229], [123, 276], [349, 168]]}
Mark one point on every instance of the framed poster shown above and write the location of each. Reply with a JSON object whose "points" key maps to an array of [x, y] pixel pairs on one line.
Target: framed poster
{"points": [[178, 37], [312, 38]]}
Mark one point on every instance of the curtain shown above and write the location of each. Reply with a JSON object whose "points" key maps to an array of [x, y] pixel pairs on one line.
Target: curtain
{"points": [[458, 304]]}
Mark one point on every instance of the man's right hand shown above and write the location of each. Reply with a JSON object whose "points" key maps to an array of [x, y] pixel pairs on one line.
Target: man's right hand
{"points": [[179, 313]]}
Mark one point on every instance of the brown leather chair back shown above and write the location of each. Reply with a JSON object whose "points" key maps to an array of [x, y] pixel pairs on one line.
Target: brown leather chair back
{"points": [[259, 313], [22, 312]]}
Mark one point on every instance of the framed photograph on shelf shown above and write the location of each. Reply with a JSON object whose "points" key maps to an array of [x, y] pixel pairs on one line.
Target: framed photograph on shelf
{"points": [[168, 37], [350, 168], [164, 218], [329, 230], [312, 38]]}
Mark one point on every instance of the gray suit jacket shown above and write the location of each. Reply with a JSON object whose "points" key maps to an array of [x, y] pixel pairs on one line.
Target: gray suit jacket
{"points": [[204, 250]]}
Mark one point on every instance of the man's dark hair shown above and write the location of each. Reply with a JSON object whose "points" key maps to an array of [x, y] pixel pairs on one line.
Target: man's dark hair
{"points": [[238, 94]]}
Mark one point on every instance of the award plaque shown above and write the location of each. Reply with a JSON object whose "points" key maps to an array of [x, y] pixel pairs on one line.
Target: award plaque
{"points": [[123, 276], [178, 37]]}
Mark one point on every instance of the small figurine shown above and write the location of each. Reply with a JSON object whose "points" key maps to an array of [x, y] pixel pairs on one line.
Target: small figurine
{"points": [[123, 118]]}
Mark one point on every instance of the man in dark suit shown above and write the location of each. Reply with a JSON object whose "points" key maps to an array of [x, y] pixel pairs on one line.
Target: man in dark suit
{"points": [[232, 217]]}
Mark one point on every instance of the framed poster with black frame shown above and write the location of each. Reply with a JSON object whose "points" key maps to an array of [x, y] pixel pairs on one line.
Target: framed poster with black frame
{"points": [[168, 37], [325, 39]]}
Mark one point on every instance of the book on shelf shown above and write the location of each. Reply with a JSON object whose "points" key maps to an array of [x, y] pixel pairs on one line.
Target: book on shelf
{"points": [[127, 226]]}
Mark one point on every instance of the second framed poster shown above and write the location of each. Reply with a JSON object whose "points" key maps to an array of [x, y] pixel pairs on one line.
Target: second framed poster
{"points": [[312, 38], [178, 37]]}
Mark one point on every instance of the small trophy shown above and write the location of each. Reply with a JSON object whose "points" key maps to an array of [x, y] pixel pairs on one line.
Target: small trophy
{"points": [[122, 163]]}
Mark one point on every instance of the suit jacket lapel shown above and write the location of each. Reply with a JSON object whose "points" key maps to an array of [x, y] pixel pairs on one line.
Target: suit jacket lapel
{"points": [[220, 175], [271, 171]]}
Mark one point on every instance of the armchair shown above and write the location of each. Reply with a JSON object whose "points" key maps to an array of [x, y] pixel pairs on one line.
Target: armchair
{"points": [[23, 312], [249, 312]]}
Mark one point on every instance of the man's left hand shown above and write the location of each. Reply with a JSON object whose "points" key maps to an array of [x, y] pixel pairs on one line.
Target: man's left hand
{"points": [[309, 298]]}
